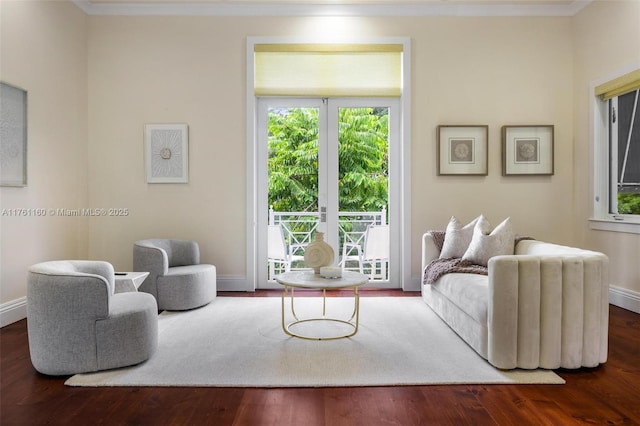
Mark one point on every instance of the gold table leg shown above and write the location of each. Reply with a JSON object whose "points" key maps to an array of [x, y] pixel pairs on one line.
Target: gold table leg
{"points": [[287, 327]]}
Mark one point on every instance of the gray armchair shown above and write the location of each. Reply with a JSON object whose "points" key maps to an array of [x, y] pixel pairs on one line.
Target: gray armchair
{"points": [[76, 324], [176, 278]]}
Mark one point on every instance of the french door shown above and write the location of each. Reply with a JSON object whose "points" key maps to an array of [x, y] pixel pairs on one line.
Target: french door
{"points": [[331, 166]]}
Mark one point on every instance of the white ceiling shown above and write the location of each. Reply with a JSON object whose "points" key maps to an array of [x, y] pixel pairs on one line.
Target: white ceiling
{"points": [[335, 7], [393, 2]]}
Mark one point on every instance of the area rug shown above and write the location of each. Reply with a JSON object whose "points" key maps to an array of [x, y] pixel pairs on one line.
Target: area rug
{"points": [[239, 342]]}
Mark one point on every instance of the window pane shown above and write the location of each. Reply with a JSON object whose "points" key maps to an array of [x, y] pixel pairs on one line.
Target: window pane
{"points": [[293, 185], [293, 159], [628, 154], [363, 182]]}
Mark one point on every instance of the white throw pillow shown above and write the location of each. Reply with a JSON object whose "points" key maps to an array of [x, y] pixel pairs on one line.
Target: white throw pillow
{"points": [[457, 238], [485, 245]]}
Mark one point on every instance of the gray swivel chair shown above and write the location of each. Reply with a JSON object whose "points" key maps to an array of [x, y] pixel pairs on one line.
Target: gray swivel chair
{"points": [[176, 278], [76, 324]]}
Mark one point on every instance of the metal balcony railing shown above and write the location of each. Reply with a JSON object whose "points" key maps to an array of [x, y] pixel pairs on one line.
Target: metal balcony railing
{"points": [[299, 227]]}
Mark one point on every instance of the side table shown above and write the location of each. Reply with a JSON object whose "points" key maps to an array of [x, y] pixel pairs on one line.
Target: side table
{"points": [[308, 280], [129, 281]]}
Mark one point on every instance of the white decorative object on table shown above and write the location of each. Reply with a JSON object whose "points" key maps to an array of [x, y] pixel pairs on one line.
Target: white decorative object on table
{"points": [[318, 253], [330, 272]]}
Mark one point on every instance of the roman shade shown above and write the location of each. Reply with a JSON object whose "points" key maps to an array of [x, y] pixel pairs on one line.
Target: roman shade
{"points": [[619, 86], [328, 70]]}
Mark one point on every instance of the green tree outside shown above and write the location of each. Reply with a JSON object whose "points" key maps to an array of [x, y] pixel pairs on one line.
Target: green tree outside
{"points": [[362, 157], [628, 203], [293, 159]]}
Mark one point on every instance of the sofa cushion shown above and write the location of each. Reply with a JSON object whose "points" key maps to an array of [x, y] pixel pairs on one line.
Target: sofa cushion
{"points": [[484, 245], [469, 292], [457, 238]]}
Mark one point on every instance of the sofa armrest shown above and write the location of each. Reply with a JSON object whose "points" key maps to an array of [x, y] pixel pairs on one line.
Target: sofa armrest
{"points": [[429, 250], [548, 311]]}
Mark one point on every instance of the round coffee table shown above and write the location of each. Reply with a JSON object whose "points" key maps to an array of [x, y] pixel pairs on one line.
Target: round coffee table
{"points": [[309, 280]]}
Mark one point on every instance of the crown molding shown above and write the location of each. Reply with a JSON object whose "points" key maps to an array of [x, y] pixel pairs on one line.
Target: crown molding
{"points": [[280, 9]]}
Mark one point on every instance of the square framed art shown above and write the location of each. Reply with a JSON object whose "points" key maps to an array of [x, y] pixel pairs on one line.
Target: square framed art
{"points": [[462, 150], [527, 150]]}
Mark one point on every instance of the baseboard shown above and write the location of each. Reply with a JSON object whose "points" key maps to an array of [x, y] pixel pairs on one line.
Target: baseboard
{"points": [[233, 283], [624, 298], [13, 311], [16, 310]]}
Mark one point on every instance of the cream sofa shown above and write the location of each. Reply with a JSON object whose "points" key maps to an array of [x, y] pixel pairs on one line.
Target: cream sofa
{"points": [[546, 306]]}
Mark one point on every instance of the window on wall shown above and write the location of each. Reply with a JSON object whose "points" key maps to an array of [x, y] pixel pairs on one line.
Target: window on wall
{"points": [[624, 148], [617, 154]]}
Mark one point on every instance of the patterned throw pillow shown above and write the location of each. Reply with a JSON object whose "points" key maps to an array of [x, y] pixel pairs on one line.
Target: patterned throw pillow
{"points": [[457, 238], [485, 245]]}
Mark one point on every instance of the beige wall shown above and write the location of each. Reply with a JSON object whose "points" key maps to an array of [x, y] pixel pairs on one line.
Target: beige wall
{"points": [[164, 70], [495, 71], [492, 71], [606, 38], [44, 52]]}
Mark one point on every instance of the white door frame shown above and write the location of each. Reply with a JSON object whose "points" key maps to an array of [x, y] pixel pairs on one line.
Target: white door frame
{"points": [[328, 134], [404, 249]]}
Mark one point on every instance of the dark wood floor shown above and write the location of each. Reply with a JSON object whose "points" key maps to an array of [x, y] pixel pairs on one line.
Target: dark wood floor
{"points": [[607, 395]]}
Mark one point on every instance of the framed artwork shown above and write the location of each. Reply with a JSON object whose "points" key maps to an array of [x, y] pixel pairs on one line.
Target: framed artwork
{"points": [[527, 150], [13, 136], [462, 150], [167, 153]]}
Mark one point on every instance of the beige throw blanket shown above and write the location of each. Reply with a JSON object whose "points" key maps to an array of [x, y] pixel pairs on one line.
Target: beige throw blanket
{"points": [[438, 267]]}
